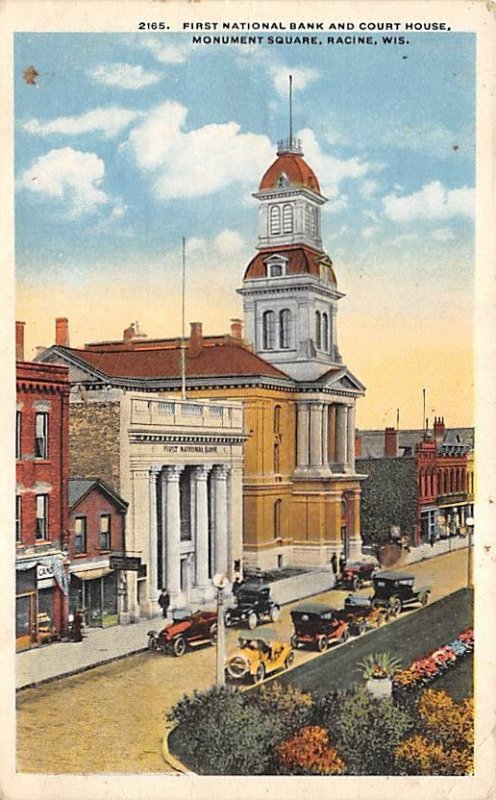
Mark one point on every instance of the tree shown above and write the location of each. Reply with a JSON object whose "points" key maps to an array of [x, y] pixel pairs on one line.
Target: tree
{"points": [[309, 753]]}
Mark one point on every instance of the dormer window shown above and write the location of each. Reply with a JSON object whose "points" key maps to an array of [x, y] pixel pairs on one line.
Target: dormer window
{"points": [[276, 266], [282, 180]]}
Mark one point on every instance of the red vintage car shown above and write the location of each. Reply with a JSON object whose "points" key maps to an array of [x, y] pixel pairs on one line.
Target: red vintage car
{"points": [[317, 625], [185, 630], [356, 573]]}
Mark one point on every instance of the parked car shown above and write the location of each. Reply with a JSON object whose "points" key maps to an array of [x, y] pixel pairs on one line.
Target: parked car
{"points": [[253, 604], [185, 630], [317, 625], [394, 590], [259, 655], [360, 613], [356, 573]]}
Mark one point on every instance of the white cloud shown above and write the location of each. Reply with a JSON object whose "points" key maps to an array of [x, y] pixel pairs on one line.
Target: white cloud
{"points": [[226, 244], [330, 170], [169, 53], [443, 234], [337, 204], [302, 76], [123, 76], [70, 176], [371, 215], [107, 121], [368, 188], [198, 162], [432, 202], [370, 231]]}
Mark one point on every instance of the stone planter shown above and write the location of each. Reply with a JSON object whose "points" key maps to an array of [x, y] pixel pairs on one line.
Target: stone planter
{"points": [[380, 688]]}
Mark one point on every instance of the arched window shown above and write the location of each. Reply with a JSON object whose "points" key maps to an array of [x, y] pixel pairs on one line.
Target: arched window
{"points": [[277, 519], [275, 220], [325, 332], [268, 330], [318, 330], [287, 218], [277, 419], [285, 329]]}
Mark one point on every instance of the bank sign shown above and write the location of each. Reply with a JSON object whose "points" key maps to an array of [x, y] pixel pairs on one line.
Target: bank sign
{"points": [[194, 448]]}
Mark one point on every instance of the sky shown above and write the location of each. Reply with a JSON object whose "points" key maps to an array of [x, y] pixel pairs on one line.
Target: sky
{"points": [[127, 143]]}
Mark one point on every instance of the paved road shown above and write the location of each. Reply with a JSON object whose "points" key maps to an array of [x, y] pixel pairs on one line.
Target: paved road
{"points": [[111, 719]]}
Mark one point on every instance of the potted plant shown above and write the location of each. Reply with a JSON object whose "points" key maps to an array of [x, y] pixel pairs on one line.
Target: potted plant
{"points": [[378, 670]]}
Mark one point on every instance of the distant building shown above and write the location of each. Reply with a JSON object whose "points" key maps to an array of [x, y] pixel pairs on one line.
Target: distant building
{"points": [[41, 512], [421, 481], [97, 531]]}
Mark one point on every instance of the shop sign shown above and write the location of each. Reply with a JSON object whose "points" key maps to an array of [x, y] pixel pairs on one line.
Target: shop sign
{"points": [[125, 563], [44, 571]]}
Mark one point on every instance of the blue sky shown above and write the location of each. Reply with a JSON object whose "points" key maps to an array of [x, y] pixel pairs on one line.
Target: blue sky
{"points": [[129, 142]]}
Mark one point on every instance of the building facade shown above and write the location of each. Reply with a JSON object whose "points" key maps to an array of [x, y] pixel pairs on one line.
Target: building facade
{"points": [[98, 527], [41, 513]]}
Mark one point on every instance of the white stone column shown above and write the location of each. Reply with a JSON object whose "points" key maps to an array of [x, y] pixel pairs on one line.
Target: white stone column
{"points": [[302, 423], [200, 476], [172, 533], [219, 485], [316, 434], [153, 590], [350, 460], [341, 439], [325, 434]]}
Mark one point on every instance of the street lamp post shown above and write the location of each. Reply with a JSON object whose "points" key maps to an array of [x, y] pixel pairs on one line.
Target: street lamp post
{"points": [[221, 583], [469, 522]]}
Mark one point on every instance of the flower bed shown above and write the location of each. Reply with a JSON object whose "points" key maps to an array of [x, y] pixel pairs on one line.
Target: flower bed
{"points": [[424, 670]]}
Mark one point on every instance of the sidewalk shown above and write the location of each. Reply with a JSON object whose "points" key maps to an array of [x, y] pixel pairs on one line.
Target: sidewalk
{"points": [[440, 548], [99, 645]]}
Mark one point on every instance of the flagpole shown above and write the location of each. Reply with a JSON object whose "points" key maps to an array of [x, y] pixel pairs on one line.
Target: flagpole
{"points": [[183, 332]]}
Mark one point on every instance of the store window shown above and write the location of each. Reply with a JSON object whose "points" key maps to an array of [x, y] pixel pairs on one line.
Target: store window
{"points": [[80, 535], [41, 435], [18, 518], [41, 516], [104, 531]]}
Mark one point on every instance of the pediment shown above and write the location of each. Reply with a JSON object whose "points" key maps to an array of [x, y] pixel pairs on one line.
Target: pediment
{"points": [[344, 380], [78, 372]]}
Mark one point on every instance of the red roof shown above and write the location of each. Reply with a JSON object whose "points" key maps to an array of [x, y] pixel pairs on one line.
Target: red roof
{"points": [[296, 170], [301, 260], [212, 360]]}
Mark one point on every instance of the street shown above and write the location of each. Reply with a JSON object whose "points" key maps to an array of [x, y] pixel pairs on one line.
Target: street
{"points": [[111, 718]]}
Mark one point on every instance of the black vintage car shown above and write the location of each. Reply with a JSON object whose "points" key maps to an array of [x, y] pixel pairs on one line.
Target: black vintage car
{"points": [[253, 604], [317, 625], [394, 590]]}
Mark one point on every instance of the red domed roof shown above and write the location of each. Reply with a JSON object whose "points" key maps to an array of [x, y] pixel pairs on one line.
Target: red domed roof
{"points": [[294, 168]]}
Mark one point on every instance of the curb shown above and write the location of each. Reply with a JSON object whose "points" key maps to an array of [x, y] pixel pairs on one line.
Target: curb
{"points": [[171, 760]]}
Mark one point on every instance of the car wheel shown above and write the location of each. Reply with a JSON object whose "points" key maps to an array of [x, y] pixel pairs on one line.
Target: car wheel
{"points": [[345, 635], [289, 660], [227, 619], [252, 620], [179, 646], [259, 674], [395, 606], [424, 598], [355, 584], [152, 643], [275, 613], [213, 633], [322, 643], [294, 641]]}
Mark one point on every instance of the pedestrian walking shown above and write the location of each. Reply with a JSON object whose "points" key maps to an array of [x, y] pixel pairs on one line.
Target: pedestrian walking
{"points": [[334, 564], [164, 601]]}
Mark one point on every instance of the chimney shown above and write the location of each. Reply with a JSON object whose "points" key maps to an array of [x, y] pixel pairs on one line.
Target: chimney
{"points": [[62, 331], [20, 341], [237, 329], [391, 443], [129, 333], [195, 339], [358, 444], [439, 429]]}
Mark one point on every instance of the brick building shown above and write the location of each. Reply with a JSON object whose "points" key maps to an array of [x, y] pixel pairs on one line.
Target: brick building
{"points": [[41, 512], [97, 524]]}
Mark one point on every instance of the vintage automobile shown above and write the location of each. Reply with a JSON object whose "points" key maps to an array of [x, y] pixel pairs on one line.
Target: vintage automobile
{"points": [[185, 630], [258, 655], [360, 614], [317, 625], [394, 590], [356, 573], [253, 604]]}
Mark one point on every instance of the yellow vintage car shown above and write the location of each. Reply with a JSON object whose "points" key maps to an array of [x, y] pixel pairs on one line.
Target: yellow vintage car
{"points": [[258, 655]]}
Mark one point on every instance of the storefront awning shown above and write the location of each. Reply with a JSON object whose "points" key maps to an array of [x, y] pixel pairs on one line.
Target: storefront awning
{"points": [[92, 574]]}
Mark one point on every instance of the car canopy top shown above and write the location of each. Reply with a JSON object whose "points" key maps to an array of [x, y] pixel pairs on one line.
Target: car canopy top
{"points": [[357, 600], [394, 576], [253, 588], [315, 609], [261, 634]]}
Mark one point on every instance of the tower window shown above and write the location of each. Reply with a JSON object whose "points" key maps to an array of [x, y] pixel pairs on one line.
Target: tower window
{"points": [[318, 330], [285, 329], [268, 330], [275, 220], [325, 332], [287, 218]]}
